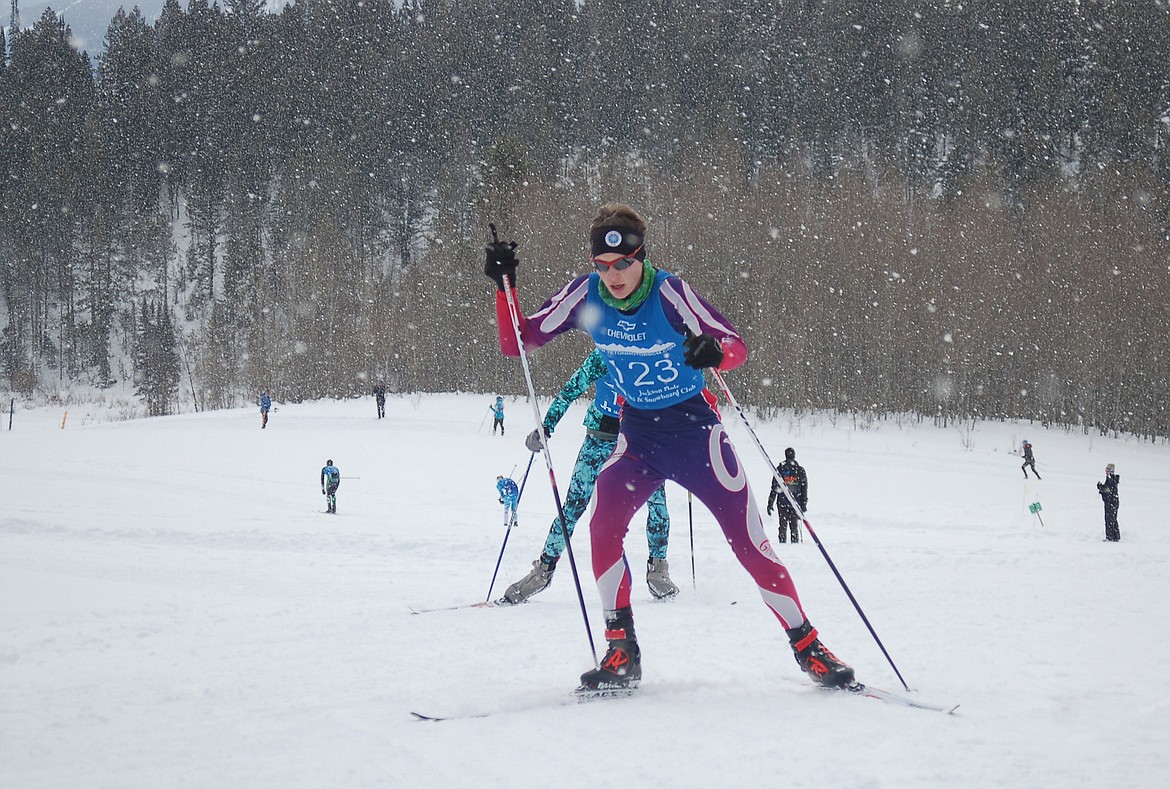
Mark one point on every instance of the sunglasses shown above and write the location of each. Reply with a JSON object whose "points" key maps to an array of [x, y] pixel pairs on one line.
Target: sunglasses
{"points": [[617, 265]]}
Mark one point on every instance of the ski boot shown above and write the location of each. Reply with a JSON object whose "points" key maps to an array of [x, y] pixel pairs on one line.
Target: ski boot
{"points": [[621, 668], [816, 660], [537, 580], [658, 579]]}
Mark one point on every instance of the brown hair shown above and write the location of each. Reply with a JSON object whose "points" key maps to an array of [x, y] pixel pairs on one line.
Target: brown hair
{"points": [[619, 215]]}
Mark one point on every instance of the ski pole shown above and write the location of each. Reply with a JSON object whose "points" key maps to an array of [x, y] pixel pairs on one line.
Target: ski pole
{"points": [[514, 314], [483, 421], [800, 515], [691, 519], [508, 530]]}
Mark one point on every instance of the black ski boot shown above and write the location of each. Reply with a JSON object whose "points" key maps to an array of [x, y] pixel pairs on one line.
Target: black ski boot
{"points": [[621, 668], [816, 660]]}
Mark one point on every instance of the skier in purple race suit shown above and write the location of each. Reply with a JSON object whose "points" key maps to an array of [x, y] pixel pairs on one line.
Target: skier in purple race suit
{"points": [[657, 335]]}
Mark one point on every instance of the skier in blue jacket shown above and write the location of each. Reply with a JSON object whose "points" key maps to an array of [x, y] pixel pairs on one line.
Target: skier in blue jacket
{"points": [[497, 415], [509, 497], [265, 404], [330, 482]]}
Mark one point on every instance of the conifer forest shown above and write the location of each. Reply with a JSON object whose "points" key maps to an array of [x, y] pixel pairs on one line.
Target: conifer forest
{"points": [[940, 209]]}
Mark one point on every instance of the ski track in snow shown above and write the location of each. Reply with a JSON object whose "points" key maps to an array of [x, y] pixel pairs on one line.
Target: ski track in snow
{"points": [[177, 610]]}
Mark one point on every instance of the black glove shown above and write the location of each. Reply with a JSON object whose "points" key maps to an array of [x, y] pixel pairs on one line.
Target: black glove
{"points": [[702, 351], [534, 441], [501, 262], [769, 509]]}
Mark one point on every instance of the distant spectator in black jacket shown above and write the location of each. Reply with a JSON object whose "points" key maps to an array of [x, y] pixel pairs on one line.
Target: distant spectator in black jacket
{"points": [[380, 398], [1108, 491], [797, 483]]}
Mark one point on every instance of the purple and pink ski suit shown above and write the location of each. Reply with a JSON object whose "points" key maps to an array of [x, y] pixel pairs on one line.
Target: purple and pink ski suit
{"points": [[669, 426]]}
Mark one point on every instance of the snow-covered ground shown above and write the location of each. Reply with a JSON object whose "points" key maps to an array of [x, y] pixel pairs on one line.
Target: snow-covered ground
{"points": [[177, 610]]}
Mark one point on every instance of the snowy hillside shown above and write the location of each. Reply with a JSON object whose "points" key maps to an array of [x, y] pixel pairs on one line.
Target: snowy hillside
{"points": [[177, 610]]}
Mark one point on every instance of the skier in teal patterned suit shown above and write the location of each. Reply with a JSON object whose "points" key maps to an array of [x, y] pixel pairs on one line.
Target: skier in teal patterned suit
{"points": [[601, 434]]}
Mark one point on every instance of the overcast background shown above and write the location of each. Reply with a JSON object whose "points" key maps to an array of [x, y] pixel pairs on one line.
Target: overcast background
{"points": [[89, 19]]}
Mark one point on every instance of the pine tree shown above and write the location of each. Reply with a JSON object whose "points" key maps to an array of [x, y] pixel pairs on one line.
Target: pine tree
{"points": [[156, 360]]}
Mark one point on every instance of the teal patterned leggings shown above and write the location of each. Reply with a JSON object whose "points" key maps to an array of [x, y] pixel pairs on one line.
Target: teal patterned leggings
{"points": [[594, 452]]}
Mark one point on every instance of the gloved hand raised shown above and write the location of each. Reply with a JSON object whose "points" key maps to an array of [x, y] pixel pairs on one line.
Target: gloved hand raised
{"points": [[500, 261], [534, 441], [702, 351]]}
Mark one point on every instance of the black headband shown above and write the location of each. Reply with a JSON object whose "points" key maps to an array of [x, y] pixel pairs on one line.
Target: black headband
{"points": [[622, 240]]}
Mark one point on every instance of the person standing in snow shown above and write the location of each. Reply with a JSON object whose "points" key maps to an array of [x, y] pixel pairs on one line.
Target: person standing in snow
{"points": [[1029, 460], [380, 398], [797, 483], [657, 335], [509, 497], [330, 482], [497, 415], [601, 435], [1108, 491], [265, 404]]}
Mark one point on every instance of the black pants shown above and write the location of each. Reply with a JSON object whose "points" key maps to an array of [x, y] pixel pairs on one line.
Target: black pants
{"points": [[499, 422], [381, 407], [1024, 468], [1112, 530], [789, 523]]}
